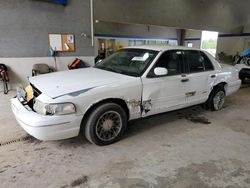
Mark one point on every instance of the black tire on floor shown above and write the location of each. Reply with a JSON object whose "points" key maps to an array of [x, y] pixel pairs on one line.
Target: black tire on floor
{"points": [[210, 104], [110, 116]]}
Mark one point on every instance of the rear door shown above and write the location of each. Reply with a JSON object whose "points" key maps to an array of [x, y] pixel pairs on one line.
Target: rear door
{"points": [[200, 76]]}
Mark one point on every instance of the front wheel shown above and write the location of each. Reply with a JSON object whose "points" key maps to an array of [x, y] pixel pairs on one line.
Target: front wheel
{"points": [[106, 124], [216, 99]]}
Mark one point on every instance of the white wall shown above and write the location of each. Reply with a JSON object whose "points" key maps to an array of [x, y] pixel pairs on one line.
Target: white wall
{"points": [[231, 45], [21, 68]]}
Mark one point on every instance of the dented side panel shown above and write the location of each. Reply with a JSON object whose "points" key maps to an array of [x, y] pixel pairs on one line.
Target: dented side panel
{"points": [[162, 94], [129, 90]]}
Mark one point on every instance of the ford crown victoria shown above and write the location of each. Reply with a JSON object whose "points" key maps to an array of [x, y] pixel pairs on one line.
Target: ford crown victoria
{"points": [[133, 83]]}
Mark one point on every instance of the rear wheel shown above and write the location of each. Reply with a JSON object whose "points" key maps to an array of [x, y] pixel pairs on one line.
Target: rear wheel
{"points": [[105, 124], [216, 98]]}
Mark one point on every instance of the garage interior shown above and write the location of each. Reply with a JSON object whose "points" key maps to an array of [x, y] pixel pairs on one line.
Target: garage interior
{"points": [[186, 148]]}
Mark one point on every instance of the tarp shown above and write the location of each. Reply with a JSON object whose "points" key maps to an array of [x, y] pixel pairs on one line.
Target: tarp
{"points": [[245, 52]]}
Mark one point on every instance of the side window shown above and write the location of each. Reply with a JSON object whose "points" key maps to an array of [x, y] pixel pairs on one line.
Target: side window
{"points": [[207, 63], [195, 61], [171, 60]]}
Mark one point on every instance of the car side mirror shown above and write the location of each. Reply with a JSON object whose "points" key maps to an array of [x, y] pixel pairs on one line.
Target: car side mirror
{"points": [[160, 71], [99, 61]]}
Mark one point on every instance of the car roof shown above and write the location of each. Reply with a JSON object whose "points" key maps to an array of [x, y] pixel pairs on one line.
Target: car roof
{"points": [[161, 47]]}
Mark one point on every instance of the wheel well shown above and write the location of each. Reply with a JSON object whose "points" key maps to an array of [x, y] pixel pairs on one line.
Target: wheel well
{"points": [[221, 84], [120, 102]]}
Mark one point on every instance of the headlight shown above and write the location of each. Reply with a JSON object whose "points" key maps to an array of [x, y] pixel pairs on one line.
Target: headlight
{"points": [[54, 109]]}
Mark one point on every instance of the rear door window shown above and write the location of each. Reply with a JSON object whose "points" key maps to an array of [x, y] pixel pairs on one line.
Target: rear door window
{"points": [[194, 61], [207, 63]]}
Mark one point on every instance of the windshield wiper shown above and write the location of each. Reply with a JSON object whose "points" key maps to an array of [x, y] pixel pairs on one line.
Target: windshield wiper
{"points": [[108, 69], [117, 71]]}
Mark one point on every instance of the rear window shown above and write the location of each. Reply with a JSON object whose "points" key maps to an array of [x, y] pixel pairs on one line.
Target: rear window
{"points": [[197, 61], [194, 61], [207, 63]]}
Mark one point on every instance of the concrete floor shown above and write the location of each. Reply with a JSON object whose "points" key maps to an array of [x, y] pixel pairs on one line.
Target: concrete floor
{"points": [[186, 148]]}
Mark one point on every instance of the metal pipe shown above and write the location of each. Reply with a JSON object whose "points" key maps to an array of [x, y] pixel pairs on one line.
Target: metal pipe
{"points": [[92, 22]]}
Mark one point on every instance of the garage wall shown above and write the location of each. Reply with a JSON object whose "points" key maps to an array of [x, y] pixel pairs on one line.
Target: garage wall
{"points": [[20, 68], [24, 28], [231, 45], [125, 32], [25, 24], [135, 30], [193, 36]]}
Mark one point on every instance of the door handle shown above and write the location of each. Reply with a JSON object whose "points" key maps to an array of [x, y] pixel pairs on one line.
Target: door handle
{"points": [[213, 76], [185, 80]]}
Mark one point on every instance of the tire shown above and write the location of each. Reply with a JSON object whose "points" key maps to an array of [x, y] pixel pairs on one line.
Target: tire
{"points": [[216, 99], [105, 124]]}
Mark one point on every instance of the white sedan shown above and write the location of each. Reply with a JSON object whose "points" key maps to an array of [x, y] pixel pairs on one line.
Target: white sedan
{"points": [[133, 83]]}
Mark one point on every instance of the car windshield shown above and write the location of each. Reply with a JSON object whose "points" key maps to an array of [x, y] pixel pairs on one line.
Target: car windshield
{"points": [[132, 62]]}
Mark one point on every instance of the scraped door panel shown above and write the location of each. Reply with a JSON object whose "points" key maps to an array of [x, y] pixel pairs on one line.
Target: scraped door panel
{"points": [[163, 94]]}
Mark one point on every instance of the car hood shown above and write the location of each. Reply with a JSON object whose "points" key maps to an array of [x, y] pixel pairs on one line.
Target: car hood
{"points": [[72, 82]]}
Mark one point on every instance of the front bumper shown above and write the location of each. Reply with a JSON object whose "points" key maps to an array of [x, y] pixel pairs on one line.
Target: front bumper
{"points": [[46, 127]]}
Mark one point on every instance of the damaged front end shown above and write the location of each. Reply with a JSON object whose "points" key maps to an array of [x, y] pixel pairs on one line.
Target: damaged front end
{"points": [[27, 96], [143, 107]]}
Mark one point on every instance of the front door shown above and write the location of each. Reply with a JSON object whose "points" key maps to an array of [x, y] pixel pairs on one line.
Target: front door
{"points": [[165, 93]]}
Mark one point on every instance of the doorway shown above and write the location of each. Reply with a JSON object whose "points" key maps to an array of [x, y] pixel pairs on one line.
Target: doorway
{"points": [[209, 41]]}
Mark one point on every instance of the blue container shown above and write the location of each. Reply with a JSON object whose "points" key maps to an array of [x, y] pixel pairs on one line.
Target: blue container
{"points": [[63, 2], [245, 52]]}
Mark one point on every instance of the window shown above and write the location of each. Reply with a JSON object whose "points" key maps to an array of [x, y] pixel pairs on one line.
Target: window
{"points": [[132, 62], [171, 60], [206, 61], [195, 61]]}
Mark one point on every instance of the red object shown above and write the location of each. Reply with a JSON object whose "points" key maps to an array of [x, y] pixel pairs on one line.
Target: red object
{"points": [[4, 75], [77, 64], [73, 64]]}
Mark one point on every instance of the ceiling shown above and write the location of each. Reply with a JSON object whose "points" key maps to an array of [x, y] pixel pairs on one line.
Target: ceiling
{"points": [[215, 15]]}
